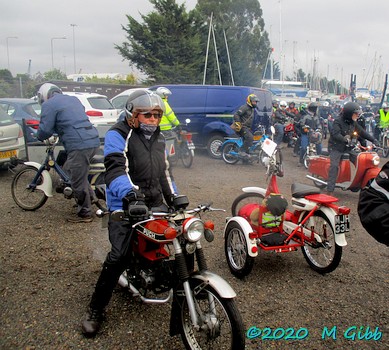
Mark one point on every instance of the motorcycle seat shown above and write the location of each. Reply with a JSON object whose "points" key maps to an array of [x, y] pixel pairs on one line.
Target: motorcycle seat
{"points": [[302, 190]]}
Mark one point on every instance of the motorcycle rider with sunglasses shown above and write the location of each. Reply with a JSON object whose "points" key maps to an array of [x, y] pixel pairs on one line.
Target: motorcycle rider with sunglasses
{"points": [[137, 174]]}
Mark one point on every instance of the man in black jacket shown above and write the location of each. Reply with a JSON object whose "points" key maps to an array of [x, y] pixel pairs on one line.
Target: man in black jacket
{"points": [[136, 174], [340, 136], [243, 120]]}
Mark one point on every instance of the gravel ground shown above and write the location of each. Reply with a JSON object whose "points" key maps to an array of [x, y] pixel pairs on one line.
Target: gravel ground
{"points": [[49, 267]]}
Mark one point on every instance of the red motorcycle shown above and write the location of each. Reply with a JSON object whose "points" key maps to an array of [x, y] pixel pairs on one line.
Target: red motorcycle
{"points": [[167, 264], [350, 177], [316, 225], [290, 135]]}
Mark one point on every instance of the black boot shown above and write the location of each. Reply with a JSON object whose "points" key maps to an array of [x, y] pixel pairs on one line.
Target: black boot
{"points": [[92, 322], [104, 287]]}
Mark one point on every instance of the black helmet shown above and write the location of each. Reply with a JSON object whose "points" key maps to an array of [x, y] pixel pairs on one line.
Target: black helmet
{"points": [[312, 107], [349, 109]]}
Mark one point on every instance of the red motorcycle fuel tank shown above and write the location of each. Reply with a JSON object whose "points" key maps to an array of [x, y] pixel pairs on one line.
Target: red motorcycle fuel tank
{"points": [[321, 165]]}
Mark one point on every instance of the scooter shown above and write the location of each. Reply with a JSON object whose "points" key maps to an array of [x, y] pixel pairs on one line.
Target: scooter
{"points": [[317, 224], [350, 177]]}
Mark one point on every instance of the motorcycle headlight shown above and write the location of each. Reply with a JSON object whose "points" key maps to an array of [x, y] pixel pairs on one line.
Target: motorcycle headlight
{"points": [[193, 229], [376, 160]]}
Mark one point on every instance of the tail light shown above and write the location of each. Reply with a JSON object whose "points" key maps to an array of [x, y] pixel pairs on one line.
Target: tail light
{"points": [[20, 132], [94, 113], [187, 136], [32, 123], [344, 210]]}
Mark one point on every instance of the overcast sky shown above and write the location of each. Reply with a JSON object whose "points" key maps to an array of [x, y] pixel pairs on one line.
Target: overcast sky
{"points": [[343, 36]]}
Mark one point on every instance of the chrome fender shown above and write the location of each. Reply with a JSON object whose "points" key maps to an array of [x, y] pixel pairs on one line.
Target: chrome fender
{"points": [[47, 185], [220, 285], [247, 229], [340, 238], [258, 190]]}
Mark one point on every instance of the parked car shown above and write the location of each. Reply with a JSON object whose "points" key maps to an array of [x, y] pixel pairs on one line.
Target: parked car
{"points": [[12, 145], [99, 109], [23, 108]]}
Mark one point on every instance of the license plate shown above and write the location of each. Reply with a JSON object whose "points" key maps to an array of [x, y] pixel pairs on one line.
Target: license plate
{"points": [[191, 145], [8, 154], [342, 223]]}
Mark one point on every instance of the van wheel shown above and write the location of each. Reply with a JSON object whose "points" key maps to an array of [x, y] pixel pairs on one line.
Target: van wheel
{"points": [[214, 146]]}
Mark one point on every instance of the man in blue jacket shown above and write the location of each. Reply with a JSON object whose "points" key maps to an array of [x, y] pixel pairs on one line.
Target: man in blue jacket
{"points": [[65, 116]]}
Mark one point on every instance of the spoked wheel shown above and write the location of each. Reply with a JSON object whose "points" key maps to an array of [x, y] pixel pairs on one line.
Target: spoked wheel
{"points": [[25, 197], [221, 326], [235, 247], [243, 199], [324, 256], [230, 153], [186, 155], [385, 146]]}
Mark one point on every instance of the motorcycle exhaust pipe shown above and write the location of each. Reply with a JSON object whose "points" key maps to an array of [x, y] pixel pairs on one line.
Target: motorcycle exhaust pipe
{"points": [[136, 293], [316, 179]]}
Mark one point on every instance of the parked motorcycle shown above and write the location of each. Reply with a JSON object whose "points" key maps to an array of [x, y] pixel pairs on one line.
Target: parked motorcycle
{"points": [[32, 185], [179, 145], [316, 225], [164, 249], [314, 138], [232, 148], [350, 177]]}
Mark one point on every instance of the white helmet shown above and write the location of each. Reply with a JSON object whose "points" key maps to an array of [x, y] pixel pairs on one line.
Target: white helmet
{"points": [[326, 104], [384, 105], [283, 104], [163, 92], [46, 91]]}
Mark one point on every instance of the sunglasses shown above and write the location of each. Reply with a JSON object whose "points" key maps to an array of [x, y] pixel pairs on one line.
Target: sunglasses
{"points": [[154, 115]]}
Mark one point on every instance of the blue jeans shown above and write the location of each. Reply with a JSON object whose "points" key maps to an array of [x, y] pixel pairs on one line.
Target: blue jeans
{"points": [[279, 133], [304, 145]]}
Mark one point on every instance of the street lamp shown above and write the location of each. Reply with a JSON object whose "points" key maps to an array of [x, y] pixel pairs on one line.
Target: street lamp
{"points": [[74, 48], [9, 37], [52, 51]]}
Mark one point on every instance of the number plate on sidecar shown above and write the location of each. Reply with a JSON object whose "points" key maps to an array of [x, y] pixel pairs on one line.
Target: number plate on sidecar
{"points": [[342, 223]]}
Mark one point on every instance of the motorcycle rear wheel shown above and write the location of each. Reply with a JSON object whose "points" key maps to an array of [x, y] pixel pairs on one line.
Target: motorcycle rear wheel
{"points": [[186, 155], [222, 326], [239, 261], [322, 257], [230, 153], [24, 197]]}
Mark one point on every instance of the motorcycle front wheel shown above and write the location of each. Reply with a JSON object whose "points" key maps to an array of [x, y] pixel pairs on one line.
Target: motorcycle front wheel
{"points": [[230, 153], [324, 256], [25, 197], [186, 155], [385, 145], [243, 199], [221, 325]]}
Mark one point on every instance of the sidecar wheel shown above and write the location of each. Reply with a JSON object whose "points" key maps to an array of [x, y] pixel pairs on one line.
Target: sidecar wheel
{"points": [[222, 326], [235, 247], [25, 198], [322, 257]]}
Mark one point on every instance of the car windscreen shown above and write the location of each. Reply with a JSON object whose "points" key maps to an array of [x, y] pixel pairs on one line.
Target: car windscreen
{"points": [[100, 103]]}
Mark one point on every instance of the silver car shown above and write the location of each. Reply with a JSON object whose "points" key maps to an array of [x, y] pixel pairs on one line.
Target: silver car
{"points": [[12, 145]]}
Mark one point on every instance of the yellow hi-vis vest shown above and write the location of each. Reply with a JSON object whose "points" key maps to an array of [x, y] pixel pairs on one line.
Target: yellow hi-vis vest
{"points": [[384, 119], [169, 118]]}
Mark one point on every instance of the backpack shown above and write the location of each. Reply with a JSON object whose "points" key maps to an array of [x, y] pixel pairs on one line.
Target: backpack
{"points": [[373, 207]]}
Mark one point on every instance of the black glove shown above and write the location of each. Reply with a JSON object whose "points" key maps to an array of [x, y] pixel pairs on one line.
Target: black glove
{"points": [[134, 203]]}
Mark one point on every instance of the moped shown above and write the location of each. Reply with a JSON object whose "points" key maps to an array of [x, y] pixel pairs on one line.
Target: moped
{"points": [[316, 224], [354, 174], [231, 149], [166, 265], [32, 185]]}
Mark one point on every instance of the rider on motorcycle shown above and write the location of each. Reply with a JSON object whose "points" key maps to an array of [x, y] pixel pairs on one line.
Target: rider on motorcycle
{"points": [[280, 116], [243, 120], [344, 127], [312, 120], [169, 119], [136, 175]]}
